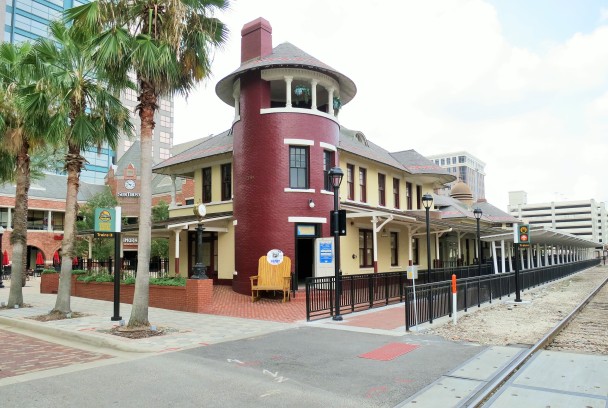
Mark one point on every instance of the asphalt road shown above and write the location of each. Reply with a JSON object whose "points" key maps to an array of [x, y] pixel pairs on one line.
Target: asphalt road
{"points": [[302, 367]]}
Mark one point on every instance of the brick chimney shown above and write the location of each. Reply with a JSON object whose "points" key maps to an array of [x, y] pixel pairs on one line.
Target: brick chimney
{"points": [[256, 39]]}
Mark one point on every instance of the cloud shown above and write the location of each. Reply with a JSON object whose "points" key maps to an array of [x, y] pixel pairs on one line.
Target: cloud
{"points": [[440, 76]]}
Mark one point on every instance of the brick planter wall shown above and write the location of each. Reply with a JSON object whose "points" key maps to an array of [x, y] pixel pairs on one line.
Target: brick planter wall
{"points": [[49, 282], [195, 297]]}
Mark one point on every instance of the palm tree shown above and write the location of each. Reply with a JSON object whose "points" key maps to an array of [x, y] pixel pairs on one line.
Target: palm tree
{"points": [[20, 135], [168, 45], [82, 99]]}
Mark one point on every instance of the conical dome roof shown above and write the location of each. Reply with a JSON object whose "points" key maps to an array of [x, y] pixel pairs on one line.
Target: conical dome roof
{"points": [[462, 192]]}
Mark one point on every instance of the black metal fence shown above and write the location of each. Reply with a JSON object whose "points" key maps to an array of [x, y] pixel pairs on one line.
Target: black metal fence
{"points": [[364, 291], [159, 267], [433, 300]]}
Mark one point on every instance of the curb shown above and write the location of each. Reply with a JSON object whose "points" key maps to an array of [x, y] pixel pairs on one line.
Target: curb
{"points": [[97, 341]]}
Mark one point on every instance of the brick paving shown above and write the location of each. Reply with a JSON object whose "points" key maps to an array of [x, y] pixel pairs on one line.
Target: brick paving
{"points": [[226, 302], [22, 354]]}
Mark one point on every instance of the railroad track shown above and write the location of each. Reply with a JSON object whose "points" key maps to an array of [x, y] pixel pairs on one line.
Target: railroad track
{"points": [[583, 330]]}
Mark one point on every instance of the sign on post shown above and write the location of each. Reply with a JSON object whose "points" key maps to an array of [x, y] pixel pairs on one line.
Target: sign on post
{"points": [[107, 222]]}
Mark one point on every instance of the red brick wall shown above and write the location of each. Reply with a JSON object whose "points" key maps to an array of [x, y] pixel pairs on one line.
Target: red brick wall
{"points": [[261, 166], [45, 241], [195, 297]]}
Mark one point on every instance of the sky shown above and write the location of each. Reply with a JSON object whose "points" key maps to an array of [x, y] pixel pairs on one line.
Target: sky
{"points": [[520, 84]]}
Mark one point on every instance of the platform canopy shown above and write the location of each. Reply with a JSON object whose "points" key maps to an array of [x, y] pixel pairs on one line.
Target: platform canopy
{"points": [[546, 236]]}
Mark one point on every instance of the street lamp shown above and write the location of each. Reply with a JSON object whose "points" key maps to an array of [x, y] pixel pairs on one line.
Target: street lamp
{"points": [[427, 202], [335, 175], [1, 258], [198, 271], [478, 213]]}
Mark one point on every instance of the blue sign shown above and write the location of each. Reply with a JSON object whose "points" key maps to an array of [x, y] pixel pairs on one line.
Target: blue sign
{"points": [[326, 253]]}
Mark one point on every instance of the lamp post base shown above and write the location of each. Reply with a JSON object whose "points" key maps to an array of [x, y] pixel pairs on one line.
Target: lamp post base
{"points": [[337, 318], [199, 272]]}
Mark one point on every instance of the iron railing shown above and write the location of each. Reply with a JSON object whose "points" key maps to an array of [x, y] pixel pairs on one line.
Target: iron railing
{"points": [[434, 300], [365, 291]]}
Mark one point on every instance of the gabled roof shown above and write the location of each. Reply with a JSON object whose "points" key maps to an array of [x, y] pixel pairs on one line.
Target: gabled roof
{"points": [[207, 147], [494, 214], [54, 187], [285, 55], [416, 163], [131, 156], [355, 142]]}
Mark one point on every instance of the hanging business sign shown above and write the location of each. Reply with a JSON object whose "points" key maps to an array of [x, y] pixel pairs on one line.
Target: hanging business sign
{"points": [[107, 222]]}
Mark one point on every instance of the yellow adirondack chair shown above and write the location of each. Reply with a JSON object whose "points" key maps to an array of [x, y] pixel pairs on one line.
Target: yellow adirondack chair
{"points": [[272, 277]]}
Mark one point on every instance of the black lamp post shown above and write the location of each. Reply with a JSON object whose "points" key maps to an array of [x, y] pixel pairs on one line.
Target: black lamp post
{"points": [[198, 271], [1, 258], [478, 213], [427, 202], [335, 175]]}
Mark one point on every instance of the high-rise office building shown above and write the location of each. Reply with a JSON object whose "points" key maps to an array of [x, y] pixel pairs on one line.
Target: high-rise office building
{"points": [[466, 167], [584, 218], [27, 20]]}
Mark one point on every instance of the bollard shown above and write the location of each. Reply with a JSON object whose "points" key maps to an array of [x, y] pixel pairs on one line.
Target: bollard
{"points": [[454, 303]]}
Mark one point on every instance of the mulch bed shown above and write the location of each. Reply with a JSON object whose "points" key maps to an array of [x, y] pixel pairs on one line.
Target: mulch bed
{"points": [[21, 307], [123, 331], [56, 316]]}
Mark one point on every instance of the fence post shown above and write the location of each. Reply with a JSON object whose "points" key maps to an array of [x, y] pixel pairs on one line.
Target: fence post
{"points": [[466, 294], [479, 291], [352, 294], [386, 288], [407, 311], [430, 303], [371, 291]]}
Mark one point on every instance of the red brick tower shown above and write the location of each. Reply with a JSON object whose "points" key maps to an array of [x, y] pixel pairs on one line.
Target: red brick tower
{"points": [[273, 116]]}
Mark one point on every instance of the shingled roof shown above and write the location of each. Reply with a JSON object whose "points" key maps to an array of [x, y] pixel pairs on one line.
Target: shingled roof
{"points": [[53, 187], [285, 55], [208, 146]]}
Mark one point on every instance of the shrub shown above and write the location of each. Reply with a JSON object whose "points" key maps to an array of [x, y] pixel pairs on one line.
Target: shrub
{"points": [[168, 281], [48, 271], [79, 272]]}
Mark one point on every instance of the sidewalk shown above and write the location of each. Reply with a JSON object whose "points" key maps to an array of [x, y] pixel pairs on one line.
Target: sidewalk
{"points": [[183, 330]]}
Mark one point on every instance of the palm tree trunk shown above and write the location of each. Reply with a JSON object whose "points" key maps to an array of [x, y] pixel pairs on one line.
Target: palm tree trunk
{"points": [[19, 234], [74, 163], [139, 312]]}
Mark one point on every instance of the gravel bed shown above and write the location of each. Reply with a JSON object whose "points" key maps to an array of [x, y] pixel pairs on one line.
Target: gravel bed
{"points": [[508, 323]]}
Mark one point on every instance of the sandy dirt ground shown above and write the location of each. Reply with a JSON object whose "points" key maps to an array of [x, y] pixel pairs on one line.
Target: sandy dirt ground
{"points": [[508, 323]]}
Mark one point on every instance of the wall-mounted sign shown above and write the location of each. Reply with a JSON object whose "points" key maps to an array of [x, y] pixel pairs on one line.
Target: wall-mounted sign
{"points": [[107, 222], [274, 256], [129, 240], [326, 252], [128, 194]]}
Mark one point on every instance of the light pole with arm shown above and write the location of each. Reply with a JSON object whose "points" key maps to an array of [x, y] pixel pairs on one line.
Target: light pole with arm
{"points": [[335, 179]]}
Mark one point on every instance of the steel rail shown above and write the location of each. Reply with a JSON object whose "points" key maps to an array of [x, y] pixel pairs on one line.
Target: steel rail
{"points": [[482, 396]]}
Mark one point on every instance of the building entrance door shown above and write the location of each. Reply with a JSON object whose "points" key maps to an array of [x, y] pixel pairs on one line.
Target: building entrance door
{"points": [[305, 253]]}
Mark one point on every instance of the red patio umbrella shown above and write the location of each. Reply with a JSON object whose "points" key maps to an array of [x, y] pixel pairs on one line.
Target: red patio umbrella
{"points": [[56, 258], [5, 259], [75, 261], [39, 259]]}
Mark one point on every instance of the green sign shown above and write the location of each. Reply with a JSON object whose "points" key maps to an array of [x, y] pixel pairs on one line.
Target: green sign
{"points": [[107, 222]]}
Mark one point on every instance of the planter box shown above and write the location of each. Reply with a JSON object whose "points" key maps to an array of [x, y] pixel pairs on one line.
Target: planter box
{"points": [[195, 297], [49, 282]]}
